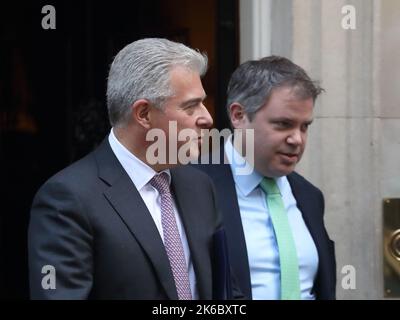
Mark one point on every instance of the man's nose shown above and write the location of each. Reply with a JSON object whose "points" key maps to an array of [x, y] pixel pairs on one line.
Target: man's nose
{"points": [[205, 120], [295, 138]]}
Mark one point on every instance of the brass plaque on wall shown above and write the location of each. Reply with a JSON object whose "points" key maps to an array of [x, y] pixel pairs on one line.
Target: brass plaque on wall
{"points": [[391, 247]]}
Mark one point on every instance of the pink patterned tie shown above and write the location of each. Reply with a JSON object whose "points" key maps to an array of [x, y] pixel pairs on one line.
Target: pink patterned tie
{"points": [[172, 240]]}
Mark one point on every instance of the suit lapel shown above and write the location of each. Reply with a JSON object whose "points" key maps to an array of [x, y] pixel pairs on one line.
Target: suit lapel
{"points": [[222, 177], [228, 205], [191, 219], [127, 202], [225, 186], [308, 208]]}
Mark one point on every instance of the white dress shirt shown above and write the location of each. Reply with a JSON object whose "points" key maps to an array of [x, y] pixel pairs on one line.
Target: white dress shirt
{"points": [[141, 174], [262, 248]]}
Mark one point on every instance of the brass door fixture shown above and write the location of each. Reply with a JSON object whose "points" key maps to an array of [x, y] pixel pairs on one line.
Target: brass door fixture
{"points": [[391, 247]]}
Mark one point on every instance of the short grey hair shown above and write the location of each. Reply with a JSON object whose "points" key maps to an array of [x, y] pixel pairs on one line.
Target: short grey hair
{"points": [[253, 82], [141, 70]]}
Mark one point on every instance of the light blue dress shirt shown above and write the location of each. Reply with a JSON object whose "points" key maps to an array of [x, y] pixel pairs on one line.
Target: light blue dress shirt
{"points": [[262, 248]]}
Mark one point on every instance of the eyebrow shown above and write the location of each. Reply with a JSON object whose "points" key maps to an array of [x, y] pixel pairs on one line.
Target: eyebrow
{"points": [[310, 121], [193, 101], [290, 120]]}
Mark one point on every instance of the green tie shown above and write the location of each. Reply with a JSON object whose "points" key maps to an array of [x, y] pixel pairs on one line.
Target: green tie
{"points": [[290, 282]]}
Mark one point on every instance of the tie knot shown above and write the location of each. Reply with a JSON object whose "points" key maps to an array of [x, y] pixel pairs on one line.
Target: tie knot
{"points": [[269, 186], [161, 183]]}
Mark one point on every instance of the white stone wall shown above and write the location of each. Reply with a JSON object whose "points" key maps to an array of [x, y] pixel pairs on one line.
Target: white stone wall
{"points": [[353, 152]]}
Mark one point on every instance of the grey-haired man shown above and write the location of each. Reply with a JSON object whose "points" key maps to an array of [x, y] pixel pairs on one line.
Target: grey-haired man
{"points": [[117, 225]]}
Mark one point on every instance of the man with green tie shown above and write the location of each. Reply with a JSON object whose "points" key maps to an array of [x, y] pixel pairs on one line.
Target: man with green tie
{"points": [[278, 245]]}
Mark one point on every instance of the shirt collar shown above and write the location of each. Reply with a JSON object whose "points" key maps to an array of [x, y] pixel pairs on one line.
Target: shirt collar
{"points": [[246, 182], [139, 172]]}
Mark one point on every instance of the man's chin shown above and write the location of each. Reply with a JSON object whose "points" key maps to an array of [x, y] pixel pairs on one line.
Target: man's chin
{"points": [[278, 171], [286, 171], [190, 155], [194, 156]]}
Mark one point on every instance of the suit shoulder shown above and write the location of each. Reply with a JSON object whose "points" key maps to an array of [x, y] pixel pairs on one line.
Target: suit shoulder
{"points": [[208, 168], [76, 175], [191, 173]]}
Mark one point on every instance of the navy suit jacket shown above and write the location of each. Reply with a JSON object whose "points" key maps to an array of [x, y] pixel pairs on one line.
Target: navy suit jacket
{"points": [[90, 223], [310, 202]]}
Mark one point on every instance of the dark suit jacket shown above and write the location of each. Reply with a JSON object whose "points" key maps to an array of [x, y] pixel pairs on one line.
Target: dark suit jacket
{"points": [[310, 201], [90, 223]]}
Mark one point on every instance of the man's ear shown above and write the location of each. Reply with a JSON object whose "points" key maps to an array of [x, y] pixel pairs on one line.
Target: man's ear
{"points": [[141, 112], [237, 114]]}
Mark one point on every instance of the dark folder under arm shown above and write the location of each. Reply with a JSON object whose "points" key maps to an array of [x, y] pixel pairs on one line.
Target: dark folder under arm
{"points": [[222, 286]]}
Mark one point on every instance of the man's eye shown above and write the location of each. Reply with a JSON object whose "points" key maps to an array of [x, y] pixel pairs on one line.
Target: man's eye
{"points": [[283, 124], [189, 106], [305, 127], [190, 109]]}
